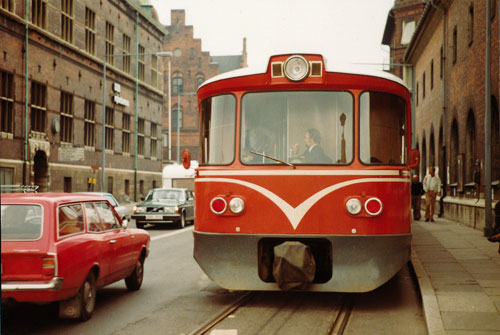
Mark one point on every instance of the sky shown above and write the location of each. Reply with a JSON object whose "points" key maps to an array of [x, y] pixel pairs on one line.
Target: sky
{"points": [[345, 31]]}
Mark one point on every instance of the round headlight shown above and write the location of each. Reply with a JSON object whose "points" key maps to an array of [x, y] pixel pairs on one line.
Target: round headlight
{"points": [[236, 205], [353, 206], [296, 68]]}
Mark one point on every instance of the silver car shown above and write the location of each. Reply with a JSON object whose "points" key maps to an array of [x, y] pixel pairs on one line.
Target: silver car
{"points": [[122, 211]]}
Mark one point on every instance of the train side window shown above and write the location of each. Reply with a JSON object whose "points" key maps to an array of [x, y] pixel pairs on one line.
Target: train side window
{"points": [[383, 129], [218, 119]]}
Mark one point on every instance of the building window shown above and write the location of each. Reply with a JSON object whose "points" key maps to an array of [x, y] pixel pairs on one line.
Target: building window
{"points": [[454, 152], [177, 120], [67, 20], [7, 4], [200, 78], [495, 140], [455, 46], [39, 12], [470, 147], [493, 8], [142, 63], [89, 125], [126, 50], [417, 94], [470, 29], [66, 117], [126, 133], [154, 140], [89, 31], [110, 184], [140, 137], [154, 184], [110, 43], [127, 187], [432, 74], [423, 86], [177, 83], [141, 187], [165, 139], [7, 102], [67, 184], [154, 70], [110, 117], [408, 28], [38, 107], [6, 176]]}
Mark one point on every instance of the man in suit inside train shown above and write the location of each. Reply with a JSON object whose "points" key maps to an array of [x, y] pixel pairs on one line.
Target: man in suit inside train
{"points": [[314, 152]]}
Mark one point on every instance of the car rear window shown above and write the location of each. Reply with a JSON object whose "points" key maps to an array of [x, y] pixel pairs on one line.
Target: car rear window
{"points": [[21, 222]]}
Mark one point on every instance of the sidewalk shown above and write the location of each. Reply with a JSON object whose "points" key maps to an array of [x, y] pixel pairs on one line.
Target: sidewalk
{"points": [[458, 271]]}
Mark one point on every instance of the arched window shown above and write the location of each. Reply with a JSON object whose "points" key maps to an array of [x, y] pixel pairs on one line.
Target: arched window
{"points": [[440, 154], [177, 83], [200, 78], [454, 152], [495, 140], [177, 117], [424, 165], [470, 147], [432, 149]]}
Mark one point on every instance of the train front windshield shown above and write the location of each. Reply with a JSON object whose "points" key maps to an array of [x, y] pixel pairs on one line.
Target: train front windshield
{"points": [[304, 128]]}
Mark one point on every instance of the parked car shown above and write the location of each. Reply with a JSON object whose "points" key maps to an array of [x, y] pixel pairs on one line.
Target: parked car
{"points": [[121, 210], [60, 247], [165, 205]]}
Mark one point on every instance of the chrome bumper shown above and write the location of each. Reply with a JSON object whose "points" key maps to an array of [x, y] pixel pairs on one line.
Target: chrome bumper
{"points": [[55, 284]]}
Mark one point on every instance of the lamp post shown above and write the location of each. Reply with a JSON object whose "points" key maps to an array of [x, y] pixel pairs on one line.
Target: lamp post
{"points": [[103, 163]]}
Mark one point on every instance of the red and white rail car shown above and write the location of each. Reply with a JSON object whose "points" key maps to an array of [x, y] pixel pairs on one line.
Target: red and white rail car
{"points": [[301, 152]]}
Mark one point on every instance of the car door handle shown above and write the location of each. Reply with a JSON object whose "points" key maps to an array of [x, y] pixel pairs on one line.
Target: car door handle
{"points": [[112, 241]]}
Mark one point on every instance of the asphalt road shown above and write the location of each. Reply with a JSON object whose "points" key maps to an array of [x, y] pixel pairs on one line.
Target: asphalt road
{"points": [[176, 297]]}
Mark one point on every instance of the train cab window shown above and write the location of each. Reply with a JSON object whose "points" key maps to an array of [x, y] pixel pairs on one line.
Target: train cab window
{"points": [[383, 129], [218, 119], [297, 127]]}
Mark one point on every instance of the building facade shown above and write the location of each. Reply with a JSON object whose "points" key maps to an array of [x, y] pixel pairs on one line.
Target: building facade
{"points": [[67, 125], [447, 58], [189, 68]]}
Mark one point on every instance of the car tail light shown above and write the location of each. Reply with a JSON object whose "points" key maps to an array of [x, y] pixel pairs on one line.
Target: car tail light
{"points": [[218, 205], [237, 205], [353, 206], [373, 206], [49, 265]]}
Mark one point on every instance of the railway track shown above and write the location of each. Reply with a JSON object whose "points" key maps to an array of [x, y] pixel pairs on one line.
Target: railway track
{"points": [[282, 313]]}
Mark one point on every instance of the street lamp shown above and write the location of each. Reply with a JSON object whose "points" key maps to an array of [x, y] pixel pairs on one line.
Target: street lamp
{"points": [[103, 165]]}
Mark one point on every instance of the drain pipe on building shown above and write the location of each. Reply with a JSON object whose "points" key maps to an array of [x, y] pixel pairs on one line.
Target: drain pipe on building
{"points": [[26, 42]]}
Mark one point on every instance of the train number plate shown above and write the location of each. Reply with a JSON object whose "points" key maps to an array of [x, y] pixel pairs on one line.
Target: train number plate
{"points": [[154, 217]]}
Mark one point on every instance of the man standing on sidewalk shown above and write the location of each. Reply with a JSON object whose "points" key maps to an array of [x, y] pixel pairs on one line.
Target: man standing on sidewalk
{"points": [[432, 188], [417, 190]]}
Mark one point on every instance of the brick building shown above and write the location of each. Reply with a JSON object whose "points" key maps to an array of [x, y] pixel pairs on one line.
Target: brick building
{"points": [[448, 65], [190, 66], [52, 109]]}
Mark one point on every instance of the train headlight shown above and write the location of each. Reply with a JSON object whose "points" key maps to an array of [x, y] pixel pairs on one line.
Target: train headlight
{"points": [[236, 205], [373, 206], [296, 68], [353, 206], [218, 205]]}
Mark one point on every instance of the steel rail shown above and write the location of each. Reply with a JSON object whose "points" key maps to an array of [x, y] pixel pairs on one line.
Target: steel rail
{"points": [[340, 323]]}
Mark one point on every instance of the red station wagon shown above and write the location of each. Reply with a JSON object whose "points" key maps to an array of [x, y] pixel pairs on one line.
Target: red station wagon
{"points": [[62, 247]]}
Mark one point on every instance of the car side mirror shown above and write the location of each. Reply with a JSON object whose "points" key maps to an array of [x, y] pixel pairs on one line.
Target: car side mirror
{"points": [[186, 159], [142, 198], [125, 223], [414, 159]]}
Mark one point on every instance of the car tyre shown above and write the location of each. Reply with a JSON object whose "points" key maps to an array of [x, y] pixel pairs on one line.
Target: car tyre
{"points": [[139, 225], [182, 220], [134, 280], [87, 296]]}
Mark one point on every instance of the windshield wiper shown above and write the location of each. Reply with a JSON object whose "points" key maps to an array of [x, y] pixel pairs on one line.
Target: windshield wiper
{"points": [[272, 158]]}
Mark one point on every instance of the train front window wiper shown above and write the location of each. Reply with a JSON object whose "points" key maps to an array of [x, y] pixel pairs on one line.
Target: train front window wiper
{"points": [[272, 158]]}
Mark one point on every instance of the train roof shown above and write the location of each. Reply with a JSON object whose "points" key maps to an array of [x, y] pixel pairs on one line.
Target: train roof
{"points": [[346, 68]]}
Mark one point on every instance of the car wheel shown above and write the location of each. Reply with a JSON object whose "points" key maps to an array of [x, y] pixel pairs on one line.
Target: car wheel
{"points": [[182, 220], [134, 280], [139, 225], [87, 296]]}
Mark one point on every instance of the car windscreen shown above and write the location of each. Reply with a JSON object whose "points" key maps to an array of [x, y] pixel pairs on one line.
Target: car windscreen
{"points": [[164, 195], [21, 222]]}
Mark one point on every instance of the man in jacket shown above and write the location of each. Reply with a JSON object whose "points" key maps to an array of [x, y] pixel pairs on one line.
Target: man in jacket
{"points": [[432, 188], [417, 190]]}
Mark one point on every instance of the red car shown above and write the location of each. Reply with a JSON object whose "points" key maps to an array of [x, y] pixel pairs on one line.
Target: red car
{"points": [[62, 247]]}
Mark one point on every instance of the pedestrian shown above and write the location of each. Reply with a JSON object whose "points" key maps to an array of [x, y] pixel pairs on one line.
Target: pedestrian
{"points": [[432, 188], [417, 190]]}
